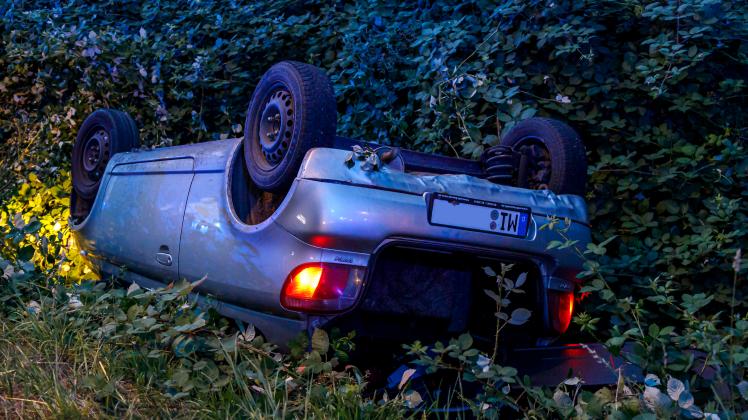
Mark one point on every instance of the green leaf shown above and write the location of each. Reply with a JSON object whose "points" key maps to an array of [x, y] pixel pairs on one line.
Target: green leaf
{"points": [[515, 109], [743, 389], [568, 244], [666, 331], [492, 295], [562, 399], [465, 341], [26, 253], [615, 341], [192, 326], [685, 399], [675, 388], [134, 287], [654, 331], [32, 227], [519, 316], [508, 283], [655, 399], [320, 341], [528, 113]]}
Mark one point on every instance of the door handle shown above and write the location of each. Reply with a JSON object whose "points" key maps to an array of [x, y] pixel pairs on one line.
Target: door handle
{"points": [[163, 257]]}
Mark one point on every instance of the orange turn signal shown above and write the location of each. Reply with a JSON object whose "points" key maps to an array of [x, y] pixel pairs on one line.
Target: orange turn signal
{"points": [[322, 287], [304, 282]]}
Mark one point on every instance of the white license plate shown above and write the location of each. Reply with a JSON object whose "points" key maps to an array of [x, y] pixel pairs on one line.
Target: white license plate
{"points": [[478, 215]]}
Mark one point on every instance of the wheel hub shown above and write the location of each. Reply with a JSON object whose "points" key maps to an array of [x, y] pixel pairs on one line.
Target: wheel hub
{"points": [[95, 153], [276, 126], [538, 163]]}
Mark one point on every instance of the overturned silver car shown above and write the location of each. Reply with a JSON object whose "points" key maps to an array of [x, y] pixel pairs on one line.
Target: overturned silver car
{"points": [[293, 228]]}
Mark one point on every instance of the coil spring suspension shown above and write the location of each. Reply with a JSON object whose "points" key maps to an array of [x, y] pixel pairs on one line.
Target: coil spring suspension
{"points": [[500, 164]]}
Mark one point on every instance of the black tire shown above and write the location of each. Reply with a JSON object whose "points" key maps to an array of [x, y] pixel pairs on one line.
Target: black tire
{"points": [[292, 110], [556, 156], [103, 134]]}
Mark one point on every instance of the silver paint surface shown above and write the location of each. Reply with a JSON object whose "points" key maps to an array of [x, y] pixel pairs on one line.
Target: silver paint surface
{"points": [[178, 199]]}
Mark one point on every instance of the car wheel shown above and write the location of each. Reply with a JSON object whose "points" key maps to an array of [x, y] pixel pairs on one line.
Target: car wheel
{"points": [[292, 110], [554, 154], [103, 134]]}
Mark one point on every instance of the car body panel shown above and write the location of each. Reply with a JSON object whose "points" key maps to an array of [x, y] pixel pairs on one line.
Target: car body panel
{"points": [[326, 164], [149, 198], [243, 264], [358, 219], [181, 197]]}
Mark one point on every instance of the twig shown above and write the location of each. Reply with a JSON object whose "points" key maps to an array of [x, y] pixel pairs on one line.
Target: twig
{"points": [[736, 269], [488, 38], [24, 400]]}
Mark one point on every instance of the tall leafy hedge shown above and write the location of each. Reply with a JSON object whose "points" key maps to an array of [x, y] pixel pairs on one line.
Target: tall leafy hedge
{"points": [[656, 88]]}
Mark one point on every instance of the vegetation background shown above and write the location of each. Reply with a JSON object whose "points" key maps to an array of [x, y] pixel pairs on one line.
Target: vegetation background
{"points": [[657, 89]]}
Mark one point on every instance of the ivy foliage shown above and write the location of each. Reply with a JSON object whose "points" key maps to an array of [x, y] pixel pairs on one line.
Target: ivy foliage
{"points": [[657, 89], [34, 225]]}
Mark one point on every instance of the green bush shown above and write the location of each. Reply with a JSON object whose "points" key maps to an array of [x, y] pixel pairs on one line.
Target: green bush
{"points": [[34, 223], [657, 89]]}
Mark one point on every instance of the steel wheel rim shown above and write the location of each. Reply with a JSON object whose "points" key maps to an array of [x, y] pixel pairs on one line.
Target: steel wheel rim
{"points": [[275, 129], [95, 154]]}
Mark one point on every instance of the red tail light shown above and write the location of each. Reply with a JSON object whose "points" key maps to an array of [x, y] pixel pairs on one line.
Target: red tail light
{"points": [[561, 306], [322, 287]]}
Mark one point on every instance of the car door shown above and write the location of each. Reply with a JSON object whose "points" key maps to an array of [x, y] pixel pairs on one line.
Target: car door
{"points": [[144, 202]]}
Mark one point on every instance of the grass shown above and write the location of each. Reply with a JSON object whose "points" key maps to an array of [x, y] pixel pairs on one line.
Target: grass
{"points": [[99, 350], [46, 361], [54, 366]]}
